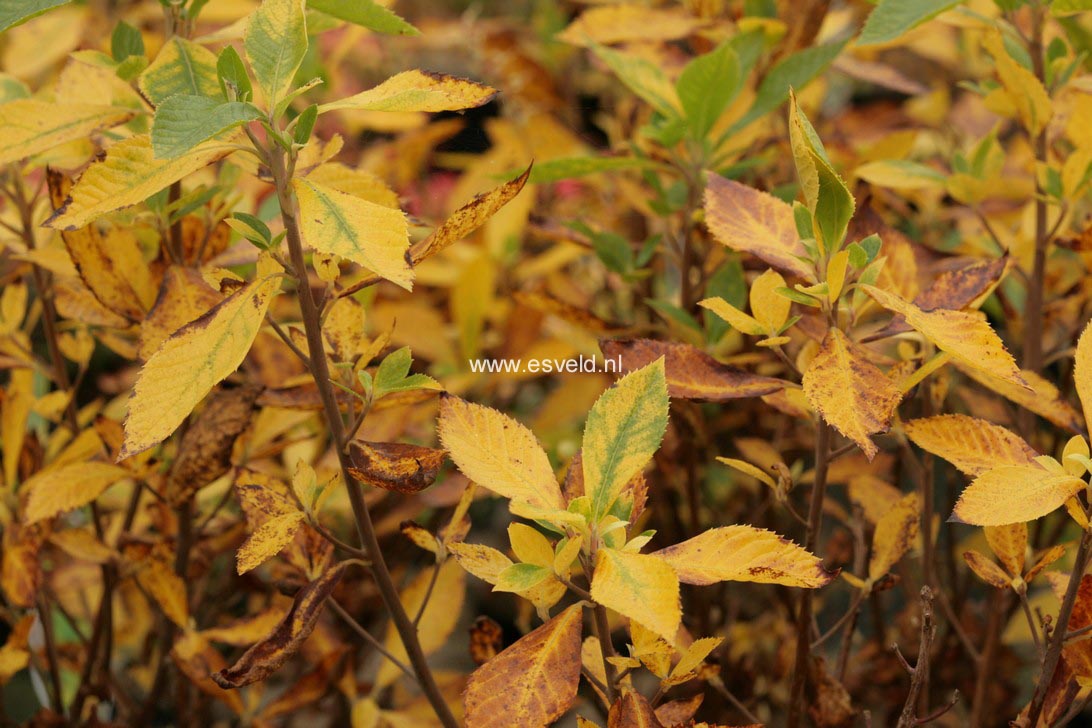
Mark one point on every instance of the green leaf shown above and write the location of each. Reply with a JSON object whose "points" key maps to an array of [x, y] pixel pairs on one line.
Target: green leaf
{"points": [[892, 18], [623, 431], [391, 376], [707, 85], [305, 123], [555, 170], [796, 71], [520, 578], [367, 13], [1065, 7], [182, 122], [642, 77], [231, 72], [16, 12], [828, 198], [180, 67], [276, 43], [125, 41]]}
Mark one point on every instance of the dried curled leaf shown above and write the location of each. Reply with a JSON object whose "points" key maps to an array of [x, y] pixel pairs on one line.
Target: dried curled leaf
{"points": [[204, 454], [755, 222], [972, 445], [531, 683], [691, 373], [744, 553], [267, 656], [1014, 494], [850, 392], [497, 453], [395, 466]]}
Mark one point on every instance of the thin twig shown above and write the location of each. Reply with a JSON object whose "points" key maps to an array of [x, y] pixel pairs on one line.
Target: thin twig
{"points": [[369, 638], [919, 674]]}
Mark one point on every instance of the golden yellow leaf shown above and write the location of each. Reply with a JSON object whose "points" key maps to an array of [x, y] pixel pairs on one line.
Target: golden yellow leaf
{"points": [[972, 445], [127, 175], [740, 321], [836, 274], [1026, 92], [873, 495], [896, 532], [769, 307], [691, 661], [267, 541], [194, 360], [32, 126], [530, 546], [641, 587], [1009, 544], [65, 488], [849, 391], [965, 335], [755, 222], [183, 296], [356, 182], [986, 570], [167, 589], [744, 553], [417, 91], [484, 562], [438, 620], [497, 453], [747, 469], [627, 22], [531, 683], [1043, 398], [1014, 494], [372, 235], [1082, 371]]}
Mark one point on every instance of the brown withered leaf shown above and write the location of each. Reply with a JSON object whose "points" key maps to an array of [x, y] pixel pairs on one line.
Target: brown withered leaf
{"points": [[205, 451], [395, 466], [679, 712], [1078, 653], [485, 640], [631, 710], [691, 373], [197, 660], [533, 682], [114, 271], [850, 392], [832, 707], [267, 656], [20, 571], [199, 244], [183, 296]]}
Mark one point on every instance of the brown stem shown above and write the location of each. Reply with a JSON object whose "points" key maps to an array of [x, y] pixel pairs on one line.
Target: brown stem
{"points": [[1057, 637], [919, 675], [803, 615], [320, 373], [606, 649]]}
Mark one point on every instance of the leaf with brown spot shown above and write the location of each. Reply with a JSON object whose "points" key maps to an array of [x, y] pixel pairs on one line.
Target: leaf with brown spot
{"points": [[631, 710], [691, 373], [533, 682], [972, 445], [755, 222], [267, 656], [485, 640], [849, 391], [744, 553], [395, 466], [679, 712], [986, 570], [1009, 544], [20, 567], [963, 287], [204, 454], [1078, 653], [183, 296], [896, 532]]}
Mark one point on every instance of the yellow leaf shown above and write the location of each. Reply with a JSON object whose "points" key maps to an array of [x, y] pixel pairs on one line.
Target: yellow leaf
{"points": [[65, 488], [965, 335], [836, 274], [972, 445], [769, 307], [744, 553], [1014, 494], [129, 174], [1009, 544], [372, 235], [268, 540], [1025, 90], [484, 562], [755, 222], [849, 391], [986, 570], [739, 320], [417, 91], [691, 661], [896, 532], [194, 360], [1082, 371], [32, 126], [1043, 398], [624, 22], [747, 469], [530, 546], [498, 453], [531, 683], [641, 587], [444, 606]]}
